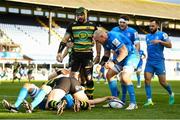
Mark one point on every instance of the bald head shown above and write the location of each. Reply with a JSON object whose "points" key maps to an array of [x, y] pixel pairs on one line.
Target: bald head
{"points": [[100, 36]]}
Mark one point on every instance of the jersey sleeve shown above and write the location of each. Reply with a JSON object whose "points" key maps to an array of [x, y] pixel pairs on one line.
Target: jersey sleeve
{"points": [[114, 29], [69, 29], [165, 37], [136, 37], [117, 43]]}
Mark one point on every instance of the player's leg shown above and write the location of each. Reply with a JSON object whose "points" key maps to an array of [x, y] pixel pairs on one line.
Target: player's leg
{"points": [[45, 89], [148, 74], [160, 71], [130, 63], [87, 67], [123, 88], [75, 66], [138, 75], [24, 91], [80, 101], [54, 98], [126, 78], [112, 82], [89, 81]]}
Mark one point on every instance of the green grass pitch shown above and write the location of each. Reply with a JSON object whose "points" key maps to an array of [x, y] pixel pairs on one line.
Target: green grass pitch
{"points": [[161, 109]]}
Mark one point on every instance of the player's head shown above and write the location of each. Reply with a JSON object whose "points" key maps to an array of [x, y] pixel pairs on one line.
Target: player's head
{"points": [[100, 36], [154, 25], [123, 22], [81, 14]]}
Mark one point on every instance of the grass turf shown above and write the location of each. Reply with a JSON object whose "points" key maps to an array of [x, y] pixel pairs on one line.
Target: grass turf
{"points": [[161, 109]]}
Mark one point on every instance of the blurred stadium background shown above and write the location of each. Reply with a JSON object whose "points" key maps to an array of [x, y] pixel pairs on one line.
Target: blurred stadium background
{"points": [[31, 30]]}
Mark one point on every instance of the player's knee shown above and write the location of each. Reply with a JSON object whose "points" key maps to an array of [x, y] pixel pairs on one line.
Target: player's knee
{"points": [[28, 85], [88, 72], [108, 76], [46, 88], [162, 82]]}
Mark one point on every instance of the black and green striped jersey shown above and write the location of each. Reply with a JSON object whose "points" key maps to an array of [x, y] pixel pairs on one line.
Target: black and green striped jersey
{"points": [[81, 36]]}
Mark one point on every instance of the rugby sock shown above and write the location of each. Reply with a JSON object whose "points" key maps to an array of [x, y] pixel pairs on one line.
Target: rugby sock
{"points": [[148, 92], [53, 104], [22, 95], [113, 88], [89, 89], [139, 79], [84, 105], [124, 91], [130, 89], [70, 100], [38, 99], [168, 88]]}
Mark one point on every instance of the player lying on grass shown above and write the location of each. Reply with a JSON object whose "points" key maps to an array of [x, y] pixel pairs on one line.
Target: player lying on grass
{"points": [[37, 94], [72, 86], [62, 86]]}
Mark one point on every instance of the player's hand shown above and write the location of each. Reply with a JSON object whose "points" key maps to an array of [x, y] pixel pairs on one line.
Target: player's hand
{"points": [[109, 65], [59, 57], [156, 41], [96, 60], [111, 97], [69, 44], [65, 71]]}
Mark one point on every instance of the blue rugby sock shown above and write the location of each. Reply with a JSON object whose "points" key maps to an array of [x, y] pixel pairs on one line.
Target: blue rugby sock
{"points": [[124, 91], [113, 88], [139, 79], [38, 99], [131, 92], [148, 91], [22, 95], [168, 88]]}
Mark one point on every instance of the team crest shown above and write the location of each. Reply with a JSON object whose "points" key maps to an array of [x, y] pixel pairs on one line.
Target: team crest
{"points": [[83, 35]]}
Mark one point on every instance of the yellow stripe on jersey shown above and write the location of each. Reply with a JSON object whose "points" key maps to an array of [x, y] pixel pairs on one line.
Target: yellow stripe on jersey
{"points": [[84, 43], [83, 27], [77, 35]]}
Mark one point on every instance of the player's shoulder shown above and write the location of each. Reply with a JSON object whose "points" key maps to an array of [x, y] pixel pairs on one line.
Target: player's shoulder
{"points": [[147, 35], [130, 29], [91, 23], [113, 34], [71, 24], [163, 34], [115, 28]]}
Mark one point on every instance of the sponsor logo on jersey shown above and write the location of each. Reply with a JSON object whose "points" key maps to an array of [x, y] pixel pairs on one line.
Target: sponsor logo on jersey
{"points": [[116, 42]]}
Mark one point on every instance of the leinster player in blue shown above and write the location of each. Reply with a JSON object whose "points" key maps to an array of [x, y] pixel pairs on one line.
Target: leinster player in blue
{"points": [[139, 68], [156, 41], [130, 33], [127, 31], [125, 61]]}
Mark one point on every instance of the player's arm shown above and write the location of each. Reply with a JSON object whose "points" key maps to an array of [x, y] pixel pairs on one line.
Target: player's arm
{"points": [[105, 58], [62, 46], [143, 56], [166, 43], [98, 53], [66, 51], [100, 100], [123, 53], [137, 45], [58, 72], [136, 41]]}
